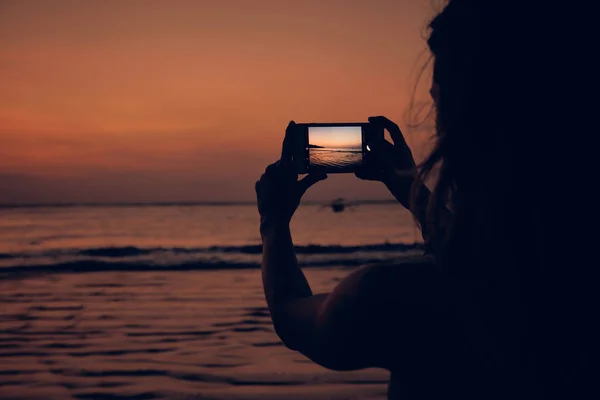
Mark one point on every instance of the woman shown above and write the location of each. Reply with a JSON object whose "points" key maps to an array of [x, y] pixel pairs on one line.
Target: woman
{"points": [[489, 315]]}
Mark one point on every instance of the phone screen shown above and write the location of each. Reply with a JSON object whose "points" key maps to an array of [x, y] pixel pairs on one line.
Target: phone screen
{"points": [[335, 147]]}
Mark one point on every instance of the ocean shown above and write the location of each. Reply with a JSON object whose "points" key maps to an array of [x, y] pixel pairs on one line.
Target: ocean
{"points": [[335, 158], [161, 302]]}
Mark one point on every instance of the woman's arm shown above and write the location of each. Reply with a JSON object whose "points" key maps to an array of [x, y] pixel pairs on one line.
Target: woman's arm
{"points": [[395, 167], [327, 328], [283, 280], [278, 195], [419, 209], [355, 326], [401, 189], [335, 329]]}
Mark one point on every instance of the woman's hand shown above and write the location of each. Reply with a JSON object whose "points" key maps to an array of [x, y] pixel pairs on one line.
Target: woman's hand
{"points": [[394, 163], [279, 191]]}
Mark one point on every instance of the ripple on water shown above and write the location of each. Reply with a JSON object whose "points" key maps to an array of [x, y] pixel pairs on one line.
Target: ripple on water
{"points": [[61, 340]]}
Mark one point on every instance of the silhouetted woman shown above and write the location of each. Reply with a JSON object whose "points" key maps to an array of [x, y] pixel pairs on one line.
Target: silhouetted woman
{"points": [[499, 311]]}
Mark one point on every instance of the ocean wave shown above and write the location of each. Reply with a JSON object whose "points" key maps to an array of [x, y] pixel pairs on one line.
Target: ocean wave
{"points": [[133, 251], [131, 258], [84, 266]]}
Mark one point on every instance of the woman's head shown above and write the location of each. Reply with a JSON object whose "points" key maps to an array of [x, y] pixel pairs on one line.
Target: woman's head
{"points": [[482, 89], [511, 134]]}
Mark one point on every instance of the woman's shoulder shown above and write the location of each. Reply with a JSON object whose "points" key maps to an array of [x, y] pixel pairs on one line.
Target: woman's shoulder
{"points": [[407, 278], [390, 296], [404, 305]]}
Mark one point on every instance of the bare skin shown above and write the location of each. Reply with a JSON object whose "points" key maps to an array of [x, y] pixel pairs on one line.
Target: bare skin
{"points": [[343, 329]]}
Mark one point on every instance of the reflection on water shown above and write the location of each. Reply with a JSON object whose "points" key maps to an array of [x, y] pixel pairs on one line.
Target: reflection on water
{"points": [[156, 333], [159, 335], [335, 158]]}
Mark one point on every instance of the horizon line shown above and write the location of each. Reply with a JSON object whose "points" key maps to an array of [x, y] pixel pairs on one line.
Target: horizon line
{"points": [[180, 203]]}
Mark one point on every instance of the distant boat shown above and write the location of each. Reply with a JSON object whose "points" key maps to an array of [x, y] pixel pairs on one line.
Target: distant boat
{"points": [[338, 205]]}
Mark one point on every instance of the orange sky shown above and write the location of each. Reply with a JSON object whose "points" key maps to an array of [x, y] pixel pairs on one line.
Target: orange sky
{"points": [[337, 137], [144, 101]]}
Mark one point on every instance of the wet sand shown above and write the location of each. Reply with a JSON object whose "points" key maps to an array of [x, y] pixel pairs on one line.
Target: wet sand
{"points": [[159, 335]]}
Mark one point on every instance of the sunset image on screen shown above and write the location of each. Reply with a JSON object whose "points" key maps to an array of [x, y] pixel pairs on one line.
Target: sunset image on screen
{"points": [[335, 147]]}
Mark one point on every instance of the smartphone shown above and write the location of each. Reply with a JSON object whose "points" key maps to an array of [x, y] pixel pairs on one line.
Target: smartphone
{"points": [[332, 147]]}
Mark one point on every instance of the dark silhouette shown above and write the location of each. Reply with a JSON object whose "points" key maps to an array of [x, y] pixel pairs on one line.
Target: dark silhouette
{"points": [[503, 306], [338, 205]]}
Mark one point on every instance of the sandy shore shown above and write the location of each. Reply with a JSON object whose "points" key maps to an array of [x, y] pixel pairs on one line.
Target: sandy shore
{"points": [[158, 335]]}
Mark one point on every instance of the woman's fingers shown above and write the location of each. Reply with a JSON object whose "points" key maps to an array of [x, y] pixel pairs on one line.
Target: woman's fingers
{"points": [[368, 174], [309, 180], [391, 127], [287, 149], [278, 177], [383, 152], [270, 171]]}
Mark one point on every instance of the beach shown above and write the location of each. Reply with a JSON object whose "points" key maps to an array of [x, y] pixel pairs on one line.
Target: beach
{"points": [[174, 316]]}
